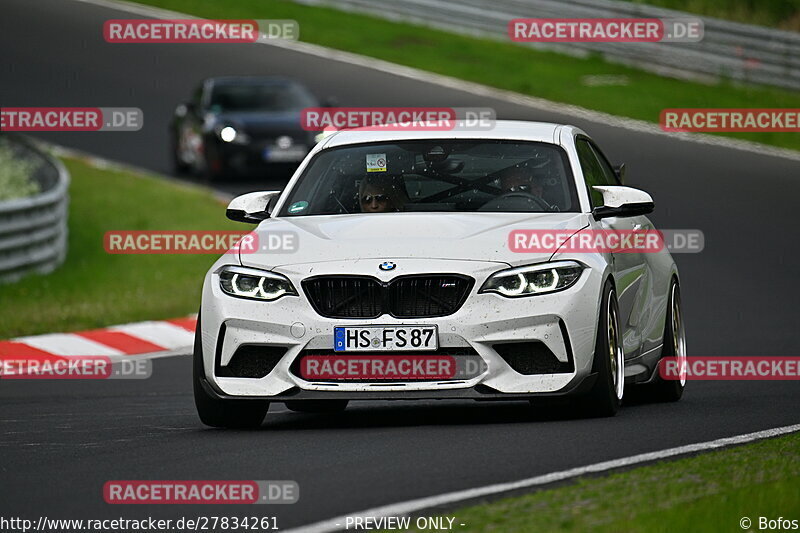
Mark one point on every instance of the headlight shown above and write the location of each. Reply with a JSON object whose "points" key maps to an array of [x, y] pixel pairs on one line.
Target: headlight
{"points": [[254, 284], [229, 134], [534, 279]]}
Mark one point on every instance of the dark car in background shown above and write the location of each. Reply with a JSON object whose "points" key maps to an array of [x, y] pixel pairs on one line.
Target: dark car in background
{"points": [[238, 126]]}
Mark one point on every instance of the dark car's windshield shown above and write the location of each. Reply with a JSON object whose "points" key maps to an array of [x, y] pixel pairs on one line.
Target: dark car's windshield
{"points": [[436, 175], [259, 97]]}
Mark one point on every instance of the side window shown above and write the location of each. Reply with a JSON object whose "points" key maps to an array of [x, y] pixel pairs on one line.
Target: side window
{"points": [[592, 170], [608, 171]]}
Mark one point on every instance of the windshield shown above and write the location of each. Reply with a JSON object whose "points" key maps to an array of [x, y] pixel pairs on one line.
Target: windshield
{"points": [[435, 175], [264, 97]]}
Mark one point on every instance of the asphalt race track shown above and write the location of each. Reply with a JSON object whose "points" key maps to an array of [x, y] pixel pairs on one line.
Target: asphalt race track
{"points": [[61, 441]]}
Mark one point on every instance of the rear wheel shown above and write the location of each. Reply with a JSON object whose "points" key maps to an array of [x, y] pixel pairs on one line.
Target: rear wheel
{"points": [[317, 406], [221, 413], [670, 390], [605, 397]]}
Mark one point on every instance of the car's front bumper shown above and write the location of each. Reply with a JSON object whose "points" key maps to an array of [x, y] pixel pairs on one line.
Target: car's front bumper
{"points": [[256, 155], [577, 386], [565, 322]]}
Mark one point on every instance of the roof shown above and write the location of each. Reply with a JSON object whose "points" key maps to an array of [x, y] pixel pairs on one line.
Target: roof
{"points": [[250, 80], [503, 129]]}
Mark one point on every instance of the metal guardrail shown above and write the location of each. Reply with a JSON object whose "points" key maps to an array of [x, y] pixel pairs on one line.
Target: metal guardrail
{"points": [[729, 50], [33, 230]]}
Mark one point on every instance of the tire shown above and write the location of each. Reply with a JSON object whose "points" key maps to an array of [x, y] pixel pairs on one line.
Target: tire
{"points": [[317, 406], [674, 345], [209, 174], [219, 413], [179, 168], [605, 397]]}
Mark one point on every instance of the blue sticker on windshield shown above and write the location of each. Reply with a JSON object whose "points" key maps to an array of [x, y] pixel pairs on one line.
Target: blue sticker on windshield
{"points": [[297, 207]]}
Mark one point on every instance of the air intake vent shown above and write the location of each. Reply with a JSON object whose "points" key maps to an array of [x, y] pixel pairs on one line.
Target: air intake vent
{"points": [[530, 358], [251, 361]]}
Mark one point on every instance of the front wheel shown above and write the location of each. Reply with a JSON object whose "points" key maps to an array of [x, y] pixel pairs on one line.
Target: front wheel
{"points": [[179, 166], [214, 164], [671, 390], [221, 413], [605, 397]]}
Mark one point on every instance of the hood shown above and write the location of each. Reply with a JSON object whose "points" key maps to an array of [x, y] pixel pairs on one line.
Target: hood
{"points": [[453, 236], [263, 122]]}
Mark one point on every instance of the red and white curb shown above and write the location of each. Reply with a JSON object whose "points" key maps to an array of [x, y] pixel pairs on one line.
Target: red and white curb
{"points": [[155, 338]]}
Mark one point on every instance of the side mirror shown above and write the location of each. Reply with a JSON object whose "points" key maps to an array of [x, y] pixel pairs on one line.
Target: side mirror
{"points": [[619, 201], [184, 109], [619, 170], [252, 207]]}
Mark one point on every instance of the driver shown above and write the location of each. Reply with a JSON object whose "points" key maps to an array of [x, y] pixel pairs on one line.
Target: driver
{"points": [[521, 179], [381, 194]]}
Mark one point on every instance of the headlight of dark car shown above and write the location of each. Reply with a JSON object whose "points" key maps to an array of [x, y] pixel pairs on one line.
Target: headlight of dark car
{"points": [[230, 134]]}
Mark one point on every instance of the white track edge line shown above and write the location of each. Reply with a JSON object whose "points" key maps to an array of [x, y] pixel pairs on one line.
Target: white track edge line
{"points": [[476, 88], [411, 506]]}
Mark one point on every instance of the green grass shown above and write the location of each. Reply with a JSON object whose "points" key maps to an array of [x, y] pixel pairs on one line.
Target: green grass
{"points": [[502, 64], [16, 174], [784, 14], [707, 493], [93, 288]]}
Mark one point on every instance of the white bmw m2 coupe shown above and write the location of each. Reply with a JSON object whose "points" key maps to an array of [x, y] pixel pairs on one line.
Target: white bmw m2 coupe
{"points": [[427, 264]]}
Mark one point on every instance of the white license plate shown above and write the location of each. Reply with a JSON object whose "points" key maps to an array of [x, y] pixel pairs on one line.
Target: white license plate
{"points": [[385, 338], [277, 155]]}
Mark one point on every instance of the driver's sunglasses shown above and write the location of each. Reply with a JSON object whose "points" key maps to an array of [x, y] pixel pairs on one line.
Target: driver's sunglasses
{"points": [[380, 198], [525, 187]]}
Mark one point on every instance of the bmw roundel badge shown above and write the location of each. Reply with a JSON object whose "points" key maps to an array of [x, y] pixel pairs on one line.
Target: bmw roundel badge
{"points": [[387, 265]]}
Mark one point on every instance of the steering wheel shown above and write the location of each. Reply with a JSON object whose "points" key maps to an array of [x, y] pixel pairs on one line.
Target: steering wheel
{"points": [[518, 194]]}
